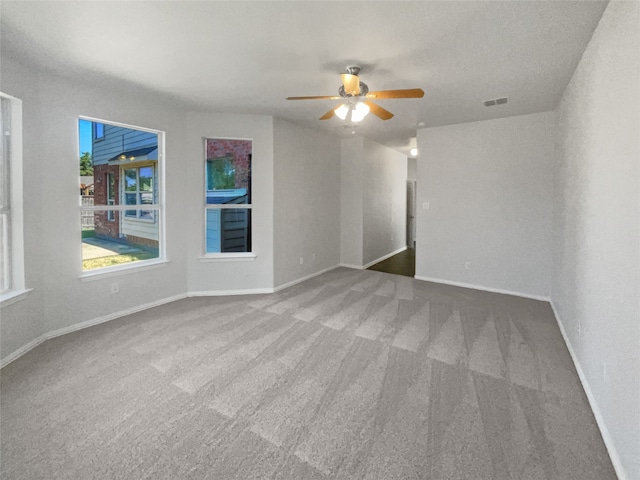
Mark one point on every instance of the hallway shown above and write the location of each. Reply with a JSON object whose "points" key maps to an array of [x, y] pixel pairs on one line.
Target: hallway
{"points": [[403, 263]]}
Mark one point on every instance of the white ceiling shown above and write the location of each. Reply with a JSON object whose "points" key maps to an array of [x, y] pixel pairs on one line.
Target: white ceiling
{"points": [[247, 57]]}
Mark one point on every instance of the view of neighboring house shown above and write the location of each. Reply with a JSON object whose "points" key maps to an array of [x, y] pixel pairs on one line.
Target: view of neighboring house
{"points": [[228, 172], [125, 173]]}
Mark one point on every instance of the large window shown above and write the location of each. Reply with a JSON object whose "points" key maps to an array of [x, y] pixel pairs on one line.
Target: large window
{"points": [[227, 195], [11, 236], [121, 221]]}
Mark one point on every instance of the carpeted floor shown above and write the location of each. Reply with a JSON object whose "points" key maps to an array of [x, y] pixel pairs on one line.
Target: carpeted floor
{"points": [[403, 263], [350, 375]]}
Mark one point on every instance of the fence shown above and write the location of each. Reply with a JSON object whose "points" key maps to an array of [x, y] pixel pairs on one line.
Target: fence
{"points": [[87, 216]]}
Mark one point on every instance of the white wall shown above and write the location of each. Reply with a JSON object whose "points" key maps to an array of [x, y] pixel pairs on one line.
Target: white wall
{"points": [[60, 299], [384, 221], [596, 243], [489, 186], [373, 183], [206, 276], [306, 201], [351, 198], [412, 168]]}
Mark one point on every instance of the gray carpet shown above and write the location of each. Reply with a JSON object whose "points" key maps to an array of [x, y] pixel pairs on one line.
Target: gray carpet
{"points": [[350, 375]]}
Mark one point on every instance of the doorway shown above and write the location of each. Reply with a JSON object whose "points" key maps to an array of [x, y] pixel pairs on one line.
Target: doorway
{"points": [[411, 214]]}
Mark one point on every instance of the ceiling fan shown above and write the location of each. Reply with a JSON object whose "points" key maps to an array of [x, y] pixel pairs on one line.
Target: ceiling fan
{"points": [[358, 98]]}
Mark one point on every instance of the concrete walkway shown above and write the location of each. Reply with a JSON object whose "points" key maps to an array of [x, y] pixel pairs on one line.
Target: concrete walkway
{"points": [[93, 247]]}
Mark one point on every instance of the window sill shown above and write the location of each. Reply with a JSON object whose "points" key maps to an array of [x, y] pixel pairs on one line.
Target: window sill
{"points": [[14, 296], [120, 270], [228, 257]]}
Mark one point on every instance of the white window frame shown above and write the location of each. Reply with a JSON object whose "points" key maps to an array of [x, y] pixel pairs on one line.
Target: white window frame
{"points": [[14, 253], [224, 256], [159, 208]]}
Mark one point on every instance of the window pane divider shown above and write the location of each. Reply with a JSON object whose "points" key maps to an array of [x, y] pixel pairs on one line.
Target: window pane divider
{"points": [[120, 208], [234, 206]]}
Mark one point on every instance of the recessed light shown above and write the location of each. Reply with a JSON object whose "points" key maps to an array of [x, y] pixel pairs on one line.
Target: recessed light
{"points": [[422, 124]]}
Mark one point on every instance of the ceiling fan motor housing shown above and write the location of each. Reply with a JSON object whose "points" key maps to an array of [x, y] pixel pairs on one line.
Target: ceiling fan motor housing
{"points": [[364, 89]]}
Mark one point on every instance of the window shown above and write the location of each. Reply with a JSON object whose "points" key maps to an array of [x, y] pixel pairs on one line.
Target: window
{"points": [[11, 235], [126, 210], [139, 190], [98, 131], [5, 199], [111, 195], [227, 195]]}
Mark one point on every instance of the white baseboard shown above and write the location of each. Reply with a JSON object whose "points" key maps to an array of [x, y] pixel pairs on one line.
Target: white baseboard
{"points": [[484, 289], [79, 326], [384, 257], [303, 279], [348, 265], [604, 431], [22, 350], [112, 316], [219, 293]]}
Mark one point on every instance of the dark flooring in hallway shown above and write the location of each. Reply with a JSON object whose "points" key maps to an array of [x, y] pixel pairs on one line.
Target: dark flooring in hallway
{"points": [[403, 263]]}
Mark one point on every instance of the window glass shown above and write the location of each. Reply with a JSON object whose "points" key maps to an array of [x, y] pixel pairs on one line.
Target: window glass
{"points": [[11, 214], [125, 164], [227, 184]]}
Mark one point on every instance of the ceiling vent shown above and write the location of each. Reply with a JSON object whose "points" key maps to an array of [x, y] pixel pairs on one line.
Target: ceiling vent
{"points": [[496, 101]]}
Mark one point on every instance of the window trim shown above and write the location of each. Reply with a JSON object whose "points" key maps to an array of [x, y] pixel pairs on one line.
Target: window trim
{"points": [[16, 288], [225, 256], [159, 207]]}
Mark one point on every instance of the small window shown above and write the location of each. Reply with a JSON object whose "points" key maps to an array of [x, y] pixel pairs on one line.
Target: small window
{"points": [[227, 195], [138, 190], [111, 195], [98, 131], [122, 224]]}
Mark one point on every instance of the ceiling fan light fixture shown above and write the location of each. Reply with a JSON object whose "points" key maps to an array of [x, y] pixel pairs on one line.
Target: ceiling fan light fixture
{"points": [[342, 111], [359, 112]]}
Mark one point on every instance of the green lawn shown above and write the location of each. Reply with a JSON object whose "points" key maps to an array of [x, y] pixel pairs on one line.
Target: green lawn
{"points": [[88, 233], [112, 260]]}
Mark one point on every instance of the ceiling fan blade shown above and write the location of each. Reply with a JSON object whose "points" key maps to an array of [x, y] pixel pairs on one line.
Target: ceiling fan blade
{"points": [[378, 111], [328, 115], [320, 97], [409, 93], [351, 83]]}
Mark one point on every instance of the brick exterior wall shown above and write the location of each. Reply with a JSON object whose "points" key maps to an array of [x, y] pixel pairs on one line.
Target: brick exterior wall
{"points": [[103, 226], [147, 242], [240, 150]]}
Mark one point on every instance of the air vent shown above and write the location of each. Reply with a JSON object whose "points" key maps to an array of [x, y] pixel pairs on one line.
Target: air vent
{"points": [[496, 101]]}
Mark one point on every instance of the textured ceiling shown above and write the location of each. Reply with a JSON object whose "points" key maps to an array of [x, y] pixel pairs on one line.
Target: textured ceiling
{"points": [[247, 57]]}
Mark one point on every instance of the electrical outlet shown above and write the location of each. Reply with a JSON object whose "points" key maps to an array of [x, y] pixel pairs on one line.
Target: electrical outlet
{"points": [[579, 328], [115, 287], [313, 257], [426, 206], [604, 373], [301, 260], [467, 265]]}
